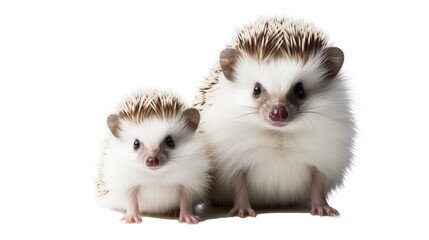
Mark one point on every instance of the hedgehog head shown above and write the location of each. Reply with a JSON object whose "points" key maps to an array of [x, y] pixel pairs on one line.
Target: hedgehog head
{"points": [[151, 126], [279, 66]]}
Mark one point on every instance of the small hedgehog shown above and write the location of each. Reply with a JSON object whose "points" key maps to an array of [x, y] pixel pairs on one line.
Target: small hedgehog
{"points": [[152, 161], [276, 116]]}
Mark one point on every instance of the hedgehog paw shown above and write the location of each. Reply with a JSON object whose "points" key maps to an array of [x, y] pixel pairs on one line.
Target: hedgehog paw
{"points": [[242, 212], [189, 219], [131, 219], [324, 210]]}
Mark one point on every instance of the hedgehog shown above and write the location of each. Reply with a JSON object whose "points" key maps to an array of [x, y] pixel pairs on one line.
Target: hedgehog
{"points": [[276, 116], [152, 160]]}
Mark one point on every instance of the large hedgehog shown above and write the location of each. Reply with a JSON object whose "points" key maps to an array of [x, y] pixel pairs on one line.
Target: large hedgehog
{"points": [[152, 161], [275, 113]]}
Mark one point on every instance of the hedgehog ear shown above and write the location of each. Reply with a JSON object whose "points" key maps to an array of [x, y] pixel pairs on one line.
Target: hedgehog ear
{"points": [[333, 59], [192, 118], [113, 123], [228, 60]]}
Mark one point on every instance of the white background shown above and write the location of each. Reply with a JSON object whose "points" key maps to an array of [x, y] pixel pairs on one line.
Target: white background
{"points": [[65, 65]]}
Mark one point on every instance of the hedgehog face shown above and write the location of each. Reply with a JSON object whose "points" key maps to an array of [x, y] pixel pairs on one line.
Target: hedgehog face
{"points": [[280, 90], [153, 152], [153, 143]]}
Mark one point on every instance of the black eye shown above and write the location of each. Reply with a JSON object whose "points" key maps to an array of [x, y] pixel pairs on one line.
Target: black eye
{"points": [[136, 144], [298, 90], [257, 90], [169, 141]]}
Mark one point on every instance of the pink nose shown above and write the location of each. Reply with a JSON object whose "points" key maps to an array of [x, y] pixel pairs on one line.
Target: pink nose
{"points": [[278, 114], [152, 161]]}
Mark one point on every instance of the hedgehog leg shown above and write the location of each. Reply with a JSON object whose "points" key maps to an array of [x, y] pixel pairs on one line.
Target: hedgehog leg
{"points": [[319, 205], [186, 215], [132, 215], [242, 206]]}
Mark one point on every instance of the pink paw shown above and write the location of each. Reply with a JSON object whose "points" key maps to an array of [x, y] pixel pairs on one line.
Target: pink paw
{"points": [[131, 219], [324, 210], [189, 219], [242, 212]]}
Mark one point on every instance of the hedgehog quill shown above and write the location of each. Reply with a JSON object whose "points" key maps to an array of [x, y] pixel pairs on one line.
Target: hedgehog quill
{"points": [[152, 161], [277, 119]]}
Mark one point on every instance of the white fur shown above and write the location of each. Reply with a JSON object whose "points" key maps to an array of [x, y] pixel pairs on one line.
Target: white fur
{"points": [[278, 161], [188, 167]]}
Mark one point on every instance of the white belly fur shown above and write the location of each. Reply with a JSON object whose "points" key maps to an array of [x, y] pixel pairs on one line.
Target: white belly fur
{"points": [[278, 167], [153, 199], [272, 182], [158, 199]]}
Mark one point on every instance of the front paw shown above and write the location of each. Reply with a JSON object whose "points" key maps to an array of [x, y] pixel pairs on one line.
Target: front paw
{"points": [[242, 212], [134, 218], [324, 210], [189, 219]]}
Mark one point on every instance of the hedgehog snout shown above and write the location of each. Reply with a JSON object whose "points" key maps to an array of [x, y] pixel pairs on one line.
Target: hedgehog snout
{"points": [[278, 114], [152, 161], [152, 155]]}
